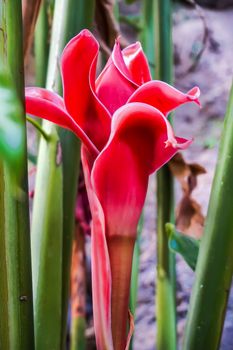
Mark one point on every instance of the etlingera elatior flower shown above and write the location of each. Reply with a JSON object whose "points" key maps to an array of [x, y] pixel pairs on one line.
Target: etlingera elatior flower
{"points": [[120, 118]]}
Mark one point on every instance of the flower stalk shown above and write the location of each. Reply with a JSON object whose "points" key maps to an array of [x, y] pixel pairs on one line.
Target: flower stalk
{"points": [[42, 44], [166, 279], [215, 263], [16, 322]]}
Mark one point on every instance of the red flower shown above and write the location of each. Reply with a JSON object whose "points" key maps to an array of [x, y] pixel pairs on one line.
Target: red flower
{"points": [[121, 120]]}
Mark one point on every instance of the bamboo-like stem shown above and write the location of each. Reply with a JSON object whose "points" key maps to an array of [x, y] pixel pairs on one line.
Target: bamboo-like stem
{"points": [[42, 45], [135, 273], [16, 321], [166, 280], [47, 233], [68, 17], [72, 16], [215, 262], [148, 32]]}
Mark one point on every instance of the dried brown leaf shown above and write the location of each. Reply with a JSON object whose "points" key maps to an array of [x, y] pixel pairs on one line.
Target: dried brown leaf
{"points": [[30, 10], [189, 217], [108, 28]]}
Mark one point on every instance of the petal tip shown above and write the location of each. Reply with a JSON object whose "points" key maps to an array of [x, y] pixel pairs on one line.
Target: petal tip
{"points": [[194, 94], [178, 143]]}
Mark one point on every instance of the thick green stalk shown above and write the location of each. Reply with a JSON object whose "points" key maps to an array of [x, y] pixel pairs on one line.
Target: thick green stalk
{"points": [[135, 273], [47, 233], [16, 321], [166, 281], [70, 17], [42, 44], [215, 262], [165, 296], [47, 243], [148, 32]]}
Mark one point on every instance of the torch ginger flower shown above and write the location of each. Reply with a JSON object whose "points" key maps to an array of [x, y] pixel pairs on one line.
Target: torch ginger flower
{"points": [[120, 118]]}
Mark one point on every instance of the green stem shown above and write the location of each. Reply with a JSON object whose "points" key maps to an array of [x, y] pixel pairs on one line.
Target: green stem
{"points": [[16, 321], [166, 277], [69, 18], [38, 127], [165, 296], [148, 32], [47, 234], [42, 44], [135, 273], [215, 262]]}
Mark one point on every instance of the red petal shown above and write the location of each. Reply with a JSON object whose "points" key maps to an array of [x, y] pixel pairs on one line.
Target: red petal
{"points": [[141, 141], [101, 272], [115, 85], [137, 63], [163, 96], [78, 65], [50, 106]]}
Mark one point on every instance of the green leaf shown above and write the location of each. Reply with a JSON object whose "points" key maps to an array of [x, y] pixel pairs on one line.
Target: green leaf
{"points": [[184, 245], [12, 140]]}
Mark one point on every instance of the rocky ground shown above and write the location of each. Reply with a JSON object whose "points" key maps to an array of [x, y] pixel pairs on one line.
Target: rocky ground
{"points": [[213, 74]]}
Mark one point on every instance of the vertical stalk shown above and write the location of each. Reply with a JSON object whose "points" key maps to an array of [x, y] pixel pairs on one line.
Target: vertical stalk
{"points": [[16, 321], [135, 273], [166, 280], [42, 44], [215, 262], [47, 233], [70, 17], [148, 33]]}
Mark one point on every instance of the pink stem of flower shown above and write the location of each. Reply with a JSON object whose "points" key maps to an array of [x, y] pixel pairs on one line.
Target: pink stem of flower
{"points": [[121, 254]]}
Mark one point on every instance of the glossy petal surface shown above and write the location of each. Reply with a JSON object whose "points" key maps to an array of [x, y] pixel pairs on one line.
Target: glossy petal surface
{"points": [[137, 64], [141, 142], [163, 96], [78, 66], [114, 86]]}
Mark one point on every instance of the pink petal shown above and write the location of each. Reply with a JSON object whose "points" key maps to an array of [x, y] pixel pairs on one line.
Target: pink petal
{"points": [[101, 272], [137, 63], [115, 85], [163, 96], [78, 66], [48, 105]]}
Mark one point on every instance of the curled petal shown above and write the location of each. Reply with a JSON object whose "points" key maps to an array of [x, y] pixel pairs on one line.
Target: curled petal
{"points": [[137, 63], [78, 66], [163, 96], [115, 85], [50, 106]]}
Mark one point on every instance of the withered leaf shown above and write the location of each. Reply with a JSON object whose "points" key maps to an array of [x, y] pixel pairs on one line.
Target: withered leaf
{"points": [[189, 217]]}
